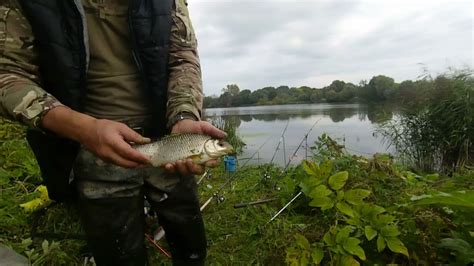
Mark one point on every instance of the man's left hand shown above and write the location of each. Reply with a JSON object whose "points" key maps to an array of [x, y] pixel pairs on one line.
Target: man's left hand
{"points": [[187, 167]]}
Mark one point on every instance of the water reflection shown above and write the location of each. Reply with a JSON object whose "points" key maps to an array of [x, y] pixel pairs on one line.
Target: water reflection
{"points": [[336, 112], [351, 124]]}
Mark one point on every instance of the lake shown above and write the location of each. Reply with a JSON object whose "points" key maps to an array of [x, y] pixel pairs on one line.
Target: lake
{"points": [[350, 124]]}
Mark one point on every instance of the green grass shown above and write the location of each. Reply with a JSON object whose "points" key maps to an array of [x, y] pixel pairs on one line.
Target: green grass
{"points": [[242, 236]]}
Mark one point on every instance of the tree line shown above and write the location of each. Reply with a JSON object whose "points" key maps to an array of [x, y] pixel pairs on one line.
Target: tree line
{"points": [[379, 89]]}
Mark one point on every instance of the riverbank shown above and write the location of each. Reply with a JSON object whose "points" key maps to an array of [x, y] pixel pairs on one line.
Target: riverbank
{"points": [[432, 229]]}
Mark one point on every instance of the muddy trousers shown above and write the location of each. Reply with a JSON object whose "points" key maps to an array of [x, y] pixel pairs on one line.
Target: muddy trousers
{"points": [[111, 203]]}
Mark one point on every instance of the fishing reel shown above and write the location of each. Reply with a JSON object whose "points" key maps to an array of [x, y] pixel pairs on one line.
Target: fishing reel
{"points": [[219, 198]]}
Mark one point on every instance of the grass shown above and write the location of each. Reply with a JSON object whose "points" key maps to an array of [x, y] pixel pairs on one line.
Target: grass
{"points": [[241, 236]]}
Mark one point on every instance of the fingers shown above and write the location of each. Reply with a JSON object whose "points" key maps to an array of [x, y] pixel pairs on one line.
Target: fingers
{"points": [[124, 149], [194, 168], [199, 127], [208, 129], [120, 161], [131, 136], [185, 167], [212, 163]]}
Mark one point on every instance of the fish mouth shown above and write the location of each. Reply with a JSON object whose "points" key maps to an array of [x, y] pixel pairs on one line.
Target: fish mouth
{"points": [[219, 148]]}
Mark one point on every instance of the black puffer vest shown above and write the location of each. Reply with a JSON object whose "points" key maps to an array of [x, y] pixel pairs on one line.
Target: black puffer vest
{"points": [[61, 39]]}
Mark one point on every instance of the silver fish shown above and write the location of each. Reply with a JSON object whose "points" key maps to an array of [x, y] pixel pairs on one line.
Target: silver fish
{"points": [[199, 148]]}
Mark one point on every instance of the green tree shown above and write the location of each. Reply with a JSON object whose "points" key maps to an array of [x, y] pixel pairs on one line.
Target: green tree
{"points": [[337, 85], [348, 92], [232, 89], [382, 87], [243, 98]]}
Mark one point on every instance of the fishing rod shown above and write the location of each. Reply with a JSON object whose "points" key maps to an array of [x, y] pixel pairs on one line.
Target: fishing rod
{"points": [[265, 174], [284, 207], [241, 205], [279, 142], [202, 177], [289, 161], [160, 233], [232, 177], [299, 146]]}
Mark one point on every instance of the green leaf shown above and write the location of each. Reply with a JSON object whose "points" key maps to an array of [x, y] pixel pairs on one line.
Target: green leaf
{"points": [[320, 191], [351, 245], [383, 220], [302, 242], [325, 168], [45, 246], [340, 195], [370, 232], [311, 168], [338, 180], [345, 209], [453, 199], [355, 196], [389, 230], [354, 221], [308, 184], [395, 245], [329, 237], [432, 177], [304, 259], [292, 256], [349, 261], [343, 234], [325, 203], [380, 243], [317, 255], [462, 249], [370, 211]]}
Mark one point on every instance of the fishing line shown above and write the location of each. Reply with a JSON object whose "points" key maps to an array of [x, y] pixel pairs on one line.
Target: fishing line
{"points": [[297, 148], [159, 235], [265, 174], [279, 142], [284, 170], [230, 178]]}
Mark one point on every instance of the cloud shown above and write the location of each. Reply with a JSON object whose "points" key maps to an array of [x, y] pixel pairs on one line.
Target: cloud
{"points": [[302, 42]]}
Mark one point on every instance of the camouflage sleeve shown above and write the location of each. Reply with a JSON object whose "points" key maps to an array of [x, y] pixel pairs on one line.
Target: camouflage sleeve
{"points": [[185, 83], [21, 97]]}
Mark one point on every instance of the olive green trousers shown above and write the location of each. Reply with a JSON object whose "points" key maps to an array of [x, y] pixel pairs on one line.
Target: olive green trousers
{"points": [[111, 202]]}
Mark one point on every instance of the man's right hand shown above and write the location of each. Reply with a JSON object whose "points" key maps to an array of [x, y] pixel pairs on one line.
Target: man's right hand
{"points": [[108, 140]]}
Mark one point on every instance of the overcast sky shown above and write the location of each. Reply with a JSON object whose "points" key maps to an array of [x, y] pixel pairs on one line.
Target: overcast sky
{"points": [[258, 43]]}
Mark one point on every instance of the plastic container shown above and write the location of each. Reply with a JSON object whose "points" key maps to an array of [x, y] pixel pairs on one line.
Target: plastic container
{"points": [[230, 163]]}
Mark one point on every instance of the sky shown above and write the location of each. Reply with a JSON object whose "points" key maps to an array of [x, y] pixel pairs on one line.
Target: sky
{"points": [[259, 43]]}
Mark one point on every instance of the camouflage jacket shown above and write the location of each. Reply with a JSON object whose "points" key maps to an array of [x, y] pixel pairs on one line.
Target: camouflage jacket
{"points": [[22, 97]]}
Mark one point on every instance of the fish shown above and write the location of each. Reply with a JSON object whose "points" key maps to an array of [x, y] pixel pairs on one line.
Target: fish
{"points": [[169, 149]]}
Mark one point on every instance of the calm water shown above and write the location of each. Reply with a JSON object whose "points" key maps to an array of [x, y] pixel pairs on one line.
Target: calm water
{"points": [[351, 124]]}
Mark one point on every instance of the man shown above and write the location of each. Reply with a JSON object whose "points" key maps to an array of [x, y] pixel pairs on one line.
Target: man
{"points": [[89, 77]]}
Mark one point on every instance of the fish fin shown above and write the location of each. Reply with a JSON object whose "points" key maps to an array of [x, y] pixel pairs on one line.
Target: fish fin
{"points": [[195, 157]]}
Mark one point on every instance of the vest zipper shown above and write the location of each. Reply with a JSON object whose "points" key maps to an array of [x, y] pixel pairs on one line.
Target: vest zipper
{"points": [[136, 58], [83, 63]]}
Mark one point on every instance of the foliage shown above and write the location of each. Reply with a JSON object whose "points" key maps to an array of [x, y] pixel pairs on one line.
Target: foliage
{"points": [[425, 216], [231, 129], [355, 221], [379, 88], [352, 189], [439, 134], [459, 204]]}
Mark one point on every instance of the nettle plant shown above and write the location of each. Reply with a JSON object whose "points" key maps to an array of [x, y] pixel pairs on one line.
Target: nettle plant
{"points": [[355, 223]]}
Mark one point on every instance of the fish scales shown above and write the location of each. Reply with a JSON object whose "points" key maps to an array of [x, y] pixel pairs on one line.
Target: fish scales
{"points": [[172, 148]]}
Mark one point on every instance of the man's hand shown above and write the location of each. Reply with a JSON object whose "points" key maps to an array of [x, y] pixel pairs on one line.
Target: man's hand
{"points": [[109, 140], [187, 167]]}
